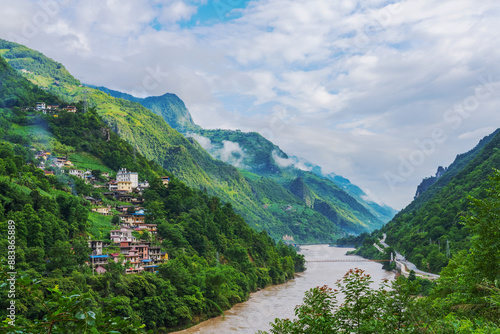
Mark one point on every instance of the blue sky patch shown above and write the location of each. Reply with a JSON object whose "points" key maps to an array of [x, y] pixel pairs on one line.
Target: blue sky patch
{"points": [[216, 11]]}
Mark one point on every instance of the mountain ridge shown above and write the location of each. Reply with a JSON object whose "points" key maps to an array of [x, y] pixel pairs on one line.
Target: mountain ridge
{"points": [[428, 230], [254, 153]]}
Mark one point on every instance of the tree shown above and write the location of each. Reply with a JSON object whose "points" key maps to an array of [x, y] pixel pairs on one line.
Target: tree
{"points": [[482, 221], [97, 174], [363, 310], [63, 313], [467, 294], [115, 220], [34, 225]]}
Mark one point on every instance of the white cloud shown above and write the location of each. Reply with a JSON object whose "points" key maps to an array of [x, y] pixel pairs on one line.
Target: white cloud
{"points": [[282, 162], [205, 142], [296, 162], [175, 12], [229, 152]]}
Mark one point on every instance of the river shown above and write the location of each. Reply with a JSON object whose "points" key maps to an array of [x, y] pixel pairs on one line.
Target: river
{"points": [[279, 301]]}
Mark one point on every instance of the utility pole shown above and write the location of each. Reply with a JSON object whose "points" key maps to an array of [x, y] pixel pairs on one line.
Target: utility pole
{"points": [[85, 102], [448, 254]]}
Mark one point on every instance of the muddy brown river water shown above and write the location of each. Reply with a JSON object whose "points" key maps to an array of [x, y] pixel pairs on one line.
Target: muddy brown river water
{"points": [[279, 301]]}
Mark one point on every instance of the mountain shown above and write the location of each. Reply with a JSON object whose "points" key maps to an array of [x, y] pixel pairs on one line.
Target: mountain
{"points": [[254, 153], [215, 259], [257, 200], [17, 91], [428, 230], [429, 181], [382, 211], [169, 106]]}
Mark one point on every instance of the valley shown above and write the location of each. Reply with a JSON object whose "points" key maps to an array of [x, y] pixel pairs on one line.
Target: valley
{"points": [[119, 214]]}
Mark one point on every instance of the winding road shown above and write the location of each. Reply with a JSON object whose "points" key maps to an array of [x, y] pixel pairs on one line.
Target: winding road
{"points": [[405, 263]]}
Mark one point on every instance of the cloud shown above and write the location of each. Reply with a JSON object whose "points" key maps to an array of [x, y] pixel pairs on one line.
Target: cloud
{"points": [[296, 162], [229, 151], [477, 134], [282, 162], [175, 12], [205, 142], [370, 197], [348, 85]]}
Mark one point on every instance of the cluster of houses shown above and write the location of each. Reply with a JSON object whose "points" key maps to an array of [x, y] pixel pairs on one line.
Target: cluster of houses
{"points": [[87, 176], [127, 188], [42, 107], [135, 220], [47, 160], [135, 256]]}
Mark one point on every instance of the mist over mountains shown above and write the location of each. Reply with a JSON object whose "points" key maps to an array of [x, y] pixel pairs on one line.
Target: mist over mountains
{"points": [[254, 153], [253, 174]]}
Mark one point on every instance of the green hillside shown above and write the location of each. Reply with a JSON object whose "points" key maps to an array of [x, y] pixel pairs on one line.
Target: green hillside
{"points": [[215, 258], [261, 156], [152, 137], [431, 224]]}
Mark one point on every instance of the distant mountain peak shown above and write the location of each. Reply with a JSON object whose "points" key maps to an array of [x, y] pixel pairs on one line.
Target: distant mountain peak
{"points": [[169, 106], [429, 181], [253, 153]]}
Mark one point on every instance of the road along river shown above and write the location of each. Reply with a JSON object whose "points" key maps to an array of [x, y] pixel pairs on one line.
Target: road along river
{"points": [[279, 301]]}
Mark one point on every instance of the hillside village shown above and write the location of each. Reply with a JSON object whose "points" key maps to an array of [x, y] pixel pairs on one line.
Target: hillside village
{"points": [[133, 243], [137, 254], [53, 109]]}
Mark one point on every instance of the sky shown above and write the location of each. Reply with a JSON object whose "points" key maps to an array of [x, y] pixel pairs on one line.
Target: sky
{"points": [[380, 92]]}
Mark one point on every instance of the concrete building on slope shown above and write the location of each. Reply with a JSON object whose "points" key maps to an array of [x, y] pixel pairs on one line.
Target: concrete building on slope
{"points": [[126, 176]]}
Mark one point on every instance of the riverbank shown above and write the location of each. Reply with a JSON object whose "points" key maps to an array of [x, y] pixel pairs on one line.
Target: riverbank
{"points": [[278, 301], [201, 320]]}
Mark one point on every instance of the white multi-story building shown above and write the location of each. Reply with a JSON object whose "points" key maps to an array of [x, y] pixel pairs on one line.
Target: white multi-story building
{"points": [[40, 106], [125, 176]]}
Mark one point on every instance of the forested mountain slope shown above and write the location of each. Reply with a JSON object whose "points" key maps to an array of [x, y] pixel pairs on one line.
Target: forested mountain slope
{"points": [[215, 258], [429, 230], [336, 198]]}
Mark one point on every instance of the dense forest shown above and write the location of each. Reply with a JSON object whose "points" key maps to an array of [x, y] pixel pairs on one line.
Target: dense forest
{"points": [[215, 258]]}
